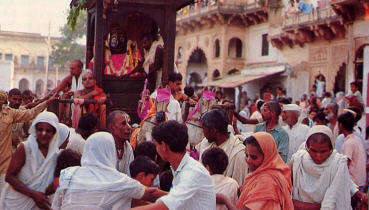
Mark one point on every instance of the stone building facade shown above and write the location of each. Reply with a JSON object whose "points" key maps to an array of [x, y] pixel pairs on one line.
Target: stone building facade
{"points": [[28, 54], [329, 40], [211, 41]]}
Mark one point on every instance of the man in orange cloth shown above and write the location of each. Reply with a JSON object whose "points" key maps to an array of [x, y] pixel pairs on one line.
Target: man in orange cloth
{"points": [[92, 91]]}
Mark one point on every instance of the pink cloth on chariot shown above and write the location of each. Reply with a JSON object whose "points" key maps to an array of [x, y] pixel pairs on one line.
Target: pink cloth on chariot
{"points": [[77, 111], [118, 61]]}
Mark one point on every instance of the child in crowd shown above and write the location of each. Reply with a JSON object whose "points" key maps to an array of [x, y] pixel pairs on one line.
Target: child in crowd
{"points": [[216, 161], [148, 149], [66, 158], [144, 170]]}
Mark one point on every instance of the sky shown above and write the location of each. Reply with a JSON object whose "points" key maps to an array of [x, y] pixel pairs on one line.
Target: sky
{"points": [[33, 15]]}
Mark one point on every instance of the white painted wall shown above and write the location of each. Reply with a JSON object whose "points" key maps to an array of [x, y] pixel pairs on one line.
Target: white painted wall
{"points": [[6, 75], [254, 44], [365, 82]]}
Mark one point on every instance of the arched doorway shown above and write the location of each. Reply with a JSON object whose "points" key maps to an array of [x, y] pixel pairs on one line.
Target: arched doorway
{"points": [[235, 48], [233, 72], [39, 87], [197, 68], [359, 66], [216, 74], [23, 84], [195, 79], [50, 84], [340, 79]]}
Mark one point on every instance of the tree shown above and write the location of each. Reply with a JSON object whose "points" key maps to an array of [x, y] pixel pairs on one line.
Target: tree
{"points": [[68, 48]]}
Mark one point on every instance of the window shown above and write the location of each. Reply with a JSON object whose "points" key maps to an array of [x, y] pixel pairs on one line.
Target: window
{"points": [[24, 59], [264, 45], [217, 48], [9, 57], [51, 61], [238, 48], [235, 48], [40, 61]]}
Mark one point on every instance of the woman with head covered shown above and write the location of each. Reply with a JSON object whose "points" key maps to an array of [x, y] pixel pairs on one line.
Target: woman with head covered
{"points": [[96, 184], [32, 166], [268, 185], [320, 175]]}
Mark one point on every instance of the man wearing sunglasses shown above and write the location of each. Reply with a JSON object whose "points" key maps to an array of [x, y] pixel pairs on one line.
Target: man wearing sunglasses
{"points": [[92, 91]]}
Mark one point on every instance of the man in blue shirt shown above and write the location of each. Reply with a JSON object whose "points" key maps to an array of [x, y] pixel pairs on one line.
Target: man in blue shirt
{"points": [[270, 112]]}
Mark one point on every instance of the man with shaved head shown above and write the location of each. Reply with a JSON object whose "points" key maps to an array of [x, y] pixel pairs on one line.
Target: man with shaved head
{"points": [[118, 123], [92, 91], [74, 77]]}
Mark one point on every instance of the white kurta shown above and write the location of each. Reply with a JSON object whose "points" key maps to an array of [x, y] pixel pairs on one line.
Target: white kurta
{"points": [[256, 115], [297, 136], [227, 186], [233, 147], [192, 187], [319, 183], [128, 157]]}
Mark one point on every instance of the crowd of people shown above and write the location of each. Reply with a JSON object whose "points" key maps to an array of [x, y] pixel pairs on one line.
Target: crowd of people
{"points": [[271, 154]]}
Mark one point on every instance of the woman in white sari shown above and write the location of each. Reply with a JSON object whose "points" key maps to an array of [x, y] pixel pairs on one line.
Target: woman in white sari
{"points": [[320, 174], [96, 184], [32, 166]]}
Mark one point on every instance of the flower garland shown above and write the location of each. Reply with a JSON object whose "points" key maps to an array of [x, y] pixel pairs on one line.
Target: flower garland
{"points": [[133, 60]]}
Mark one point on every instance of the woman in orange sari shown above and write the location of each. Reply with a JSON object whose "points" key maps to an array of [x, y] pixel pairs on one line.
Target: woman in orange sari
{"points": [[268, 185]]}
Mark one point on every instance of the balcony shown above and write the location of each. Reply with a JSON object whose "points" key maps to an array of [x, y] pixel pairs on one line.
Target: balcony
{"points": [[349, 10], [32, 67], [304, 28], [246, 13]]}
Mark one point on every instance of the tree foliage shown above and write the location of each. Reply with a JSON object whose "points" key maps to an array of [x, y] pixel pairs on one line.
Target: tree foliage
{"points": [[68, 48]]}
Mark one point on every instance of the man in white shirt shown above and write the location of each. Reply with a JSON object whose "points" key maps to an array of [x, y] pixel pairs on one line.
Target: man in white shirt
{"points": [[192, 184], [296, 131], [331, 113], [118, 123], [256, 115], [353, 149], [174, 111]]}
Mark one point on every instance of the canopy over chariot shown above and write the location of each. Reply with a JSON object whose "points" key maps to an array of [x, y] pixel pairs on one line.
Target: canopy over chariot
{"points": [[128, 42]]}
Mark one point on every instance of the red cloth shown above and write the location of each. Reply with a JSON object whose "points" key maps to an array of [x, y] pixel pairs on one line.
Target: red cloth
{"points": [[95, 107]]}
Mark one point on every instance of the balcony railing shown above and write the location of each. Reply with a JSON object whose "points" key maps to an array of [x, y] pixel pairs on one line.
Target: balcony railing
{"points": [[33, 67], [195, 10], [317, 16]]}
